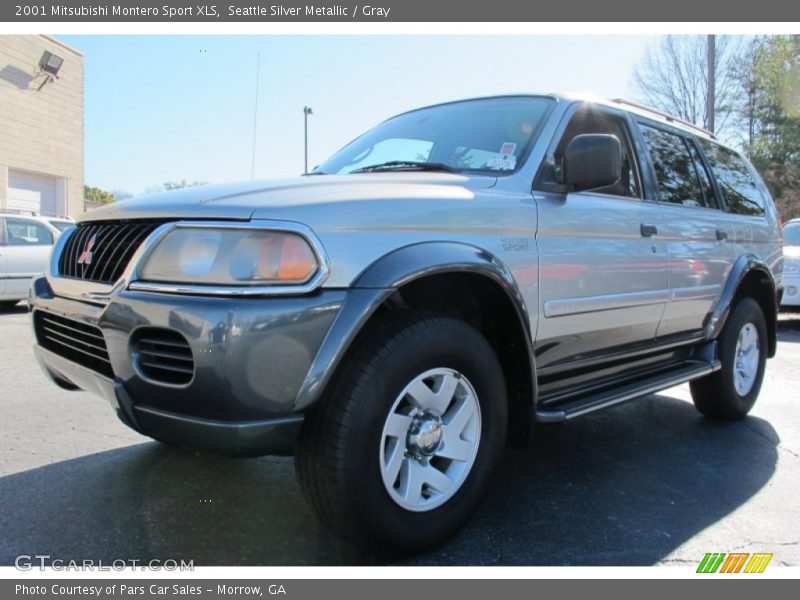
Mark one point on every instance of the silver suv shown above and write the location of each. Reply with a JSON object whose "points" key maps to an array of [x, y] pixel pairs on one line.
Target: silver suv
{"points": [[445, 281]]}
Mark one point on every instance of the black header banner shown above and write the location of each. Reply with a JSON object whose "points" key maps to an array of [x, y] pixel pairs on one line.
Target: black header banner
{"points": [[398, 11]]}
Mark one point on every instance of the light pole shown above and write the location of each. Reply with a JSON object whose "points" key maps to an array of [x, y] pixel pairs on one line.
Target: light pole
{"points": [[711, 57], [255, 119], [306, 111]]}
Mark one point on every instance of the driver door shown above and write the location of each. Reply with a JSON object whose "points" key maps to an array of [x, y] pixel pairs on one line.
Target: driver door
{"points": [[603, 267]]}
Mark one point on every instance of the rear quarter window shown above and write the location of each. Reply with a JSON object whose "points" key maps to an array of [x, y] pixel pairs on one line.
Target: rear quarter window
{"points": [[739, 187], [21, 232]]}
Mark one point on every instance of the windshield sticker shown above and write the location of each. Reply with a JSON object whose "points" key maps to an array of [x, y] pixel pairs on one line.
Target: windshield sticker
{"points": [[507, 149], [507, 163]]}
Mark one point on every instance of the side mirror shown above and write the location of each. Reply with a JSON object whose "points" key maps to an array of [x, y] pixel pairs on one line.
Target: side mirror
{"points": [[592, 161]]}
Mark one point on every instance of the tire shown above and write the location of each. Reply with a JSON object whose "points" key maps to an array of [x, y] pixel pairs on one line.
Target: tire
{"points": [[728, 394], [354, 438], [8, 304]]}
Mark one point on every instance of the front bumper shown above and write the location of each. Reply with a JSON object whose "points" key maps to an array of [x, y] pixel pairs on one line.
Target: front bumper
{"points": [[791, 290], [251, 356]]}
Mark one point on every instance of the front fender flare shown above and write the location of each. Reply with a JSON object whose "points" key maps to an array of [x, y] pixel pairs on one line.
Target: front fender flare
{"points": [[392, 271]]}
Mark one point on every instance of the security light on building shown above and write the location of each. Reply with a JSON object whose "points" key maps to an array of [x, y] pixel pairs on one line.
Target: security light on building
{"points": [[41, 133], [50, 65]]}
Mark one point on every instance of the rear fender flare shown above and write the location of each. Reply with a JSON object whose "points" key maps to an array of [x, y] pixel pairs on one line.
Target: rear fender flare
{"points": [[743, 266]]}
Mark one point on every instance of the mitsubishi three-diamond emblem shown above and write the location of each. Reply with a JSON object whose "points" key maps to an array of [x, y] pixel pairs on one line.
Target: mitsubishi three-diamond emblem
{"points": [[86, 256]]}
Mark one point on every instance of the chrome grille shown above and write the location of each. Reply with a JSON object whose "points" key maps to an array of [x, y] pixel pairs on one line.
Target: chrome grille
{"points": [[73, 340], [108, 247]]}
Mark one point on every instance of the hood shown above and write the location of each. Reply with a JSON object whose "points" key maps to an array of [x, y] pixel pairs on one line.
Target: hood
{"points": [[263, 199]]}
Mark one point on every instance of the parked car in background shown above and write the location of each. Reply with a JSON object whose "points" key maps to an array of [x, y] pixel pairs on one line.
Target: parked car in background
{"points": [[60, 223], [453, 276], [25, 245], [791, 263]]}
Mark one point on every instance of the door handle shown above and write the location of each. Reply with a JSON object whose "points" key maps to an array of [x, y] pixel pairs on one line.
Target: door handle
{"points": [[648, 230], [722, 235]]}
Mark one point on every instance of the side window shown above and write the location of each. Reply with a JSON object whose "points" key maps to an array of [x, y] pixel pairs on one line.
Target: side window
{"points": [[705, 179], [592, 121], [21, 232], [676, 170], [739, 188]]}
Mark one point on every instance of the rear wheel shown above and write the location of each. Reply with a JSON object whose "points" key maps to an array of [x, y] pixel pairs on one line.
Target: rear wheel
{"points": [[401, 450], [731, 392]]}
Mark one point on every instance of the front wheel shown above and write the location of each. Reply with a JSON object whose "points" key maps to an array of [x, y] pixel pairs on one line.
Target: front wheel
{"points": [[401, 450], [731, 392]]}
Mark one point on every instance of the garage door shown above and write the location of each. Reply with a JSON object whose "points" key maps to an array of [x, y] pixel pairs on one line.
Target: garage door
{"points": [[31, 192]]}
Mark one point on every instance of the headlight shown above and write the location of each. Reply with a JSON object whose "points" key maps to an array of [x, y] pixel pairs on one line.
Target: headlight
{"points": [[230, 256]]}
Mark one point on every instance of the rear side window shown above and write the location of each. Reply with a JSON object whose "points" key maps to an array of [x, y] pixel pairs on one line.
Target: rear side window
{"points": [[791, 234], [679, 181], [62, 226], [21, 232], [705, 178], [739, 187]]}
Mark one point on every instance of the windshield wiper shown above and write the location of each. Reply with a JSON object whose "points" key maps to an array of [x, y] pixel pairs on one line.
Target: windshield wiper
{"points": [[406, 165]]}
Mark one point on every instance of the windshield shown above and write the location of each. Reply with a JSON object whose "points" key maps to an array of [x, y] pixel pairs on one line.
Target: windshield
{"points": [[791, 234], [62, 226], [491, 135]]}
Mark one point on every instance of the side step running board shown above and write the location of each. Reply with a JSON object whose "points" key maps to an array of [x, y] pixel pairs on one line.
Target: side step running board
{"points": [[643, 387]]}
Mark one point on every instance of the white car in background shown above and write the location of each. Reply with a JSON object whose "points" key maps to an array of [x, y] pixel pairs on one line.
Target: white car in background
{"points": [[25, 245], [791, 263]]}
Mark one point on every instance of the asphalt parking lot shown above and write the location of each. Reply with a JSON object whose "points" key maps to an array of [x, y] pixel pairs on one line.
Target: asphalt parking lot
{"points": [[646, 483]]}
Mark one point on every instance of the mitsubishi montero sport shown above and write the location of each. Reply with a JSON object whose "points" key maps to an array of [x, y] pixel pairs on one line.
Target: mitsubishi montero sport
{"points": [[423, 298]]}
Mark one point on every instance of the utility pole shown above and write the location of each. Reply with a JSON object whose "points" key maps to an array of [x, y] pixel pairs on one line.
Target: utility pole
{"points": [[711, 56], [306, 111], [255, 119]]}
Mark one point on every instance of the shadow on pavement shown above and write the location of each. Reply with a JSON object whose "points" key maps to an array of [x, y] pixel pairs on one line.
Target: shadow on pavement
{"points": [[625, 487], [789, 326], [15, 309]]}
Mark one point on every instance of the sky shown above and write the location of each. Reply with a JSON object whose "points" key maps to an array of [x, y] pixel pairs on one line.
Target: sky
{"points": [[173, 107]]}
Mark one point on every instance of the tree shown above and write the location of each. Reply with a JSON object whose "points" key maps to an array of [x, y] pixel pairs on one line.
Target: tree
{"points": [[179, 185], [95, 195], [757, 100], [673, 77], [772, 111], [120, 195], [749, 90]]}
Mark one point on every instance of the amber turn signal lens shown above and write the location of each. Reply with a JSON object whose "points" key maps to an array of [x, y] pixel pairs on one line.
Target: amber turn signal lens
{"points": [[287, 258], [298, 262]]}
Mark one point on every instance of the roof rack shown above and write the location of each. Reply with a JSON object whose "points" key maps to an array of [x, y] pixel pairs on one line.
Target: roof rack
{"points": [[664, 115]]}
